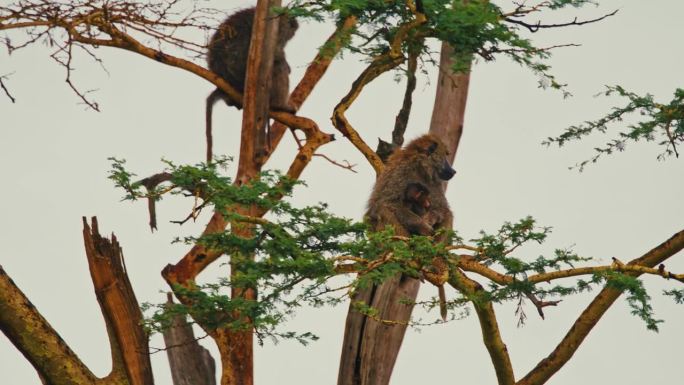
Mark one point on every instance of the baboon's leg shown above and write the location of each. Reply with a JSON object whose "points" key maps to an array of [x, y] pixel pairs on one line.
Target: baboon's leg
{"points": [[280, 87]]}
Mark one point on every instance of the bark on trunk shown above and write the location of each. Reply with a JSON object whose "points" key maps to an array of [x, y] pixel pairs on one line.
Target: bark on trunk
{"points": [[237, 347], [370, 348], [33, 336], [128, 340], [191, 364]]}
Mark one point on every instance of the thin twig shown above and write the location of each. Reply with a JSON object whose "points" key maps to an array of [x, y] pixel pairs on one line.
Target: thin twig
{"points": [[536, 27], [2, 85], [157, 350], [346, 165]]}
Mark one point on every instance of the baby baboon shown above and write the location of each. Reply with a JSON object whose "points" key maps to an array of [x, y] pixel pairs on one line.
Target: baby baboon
{"points": [[417, 197], [228, 50]]}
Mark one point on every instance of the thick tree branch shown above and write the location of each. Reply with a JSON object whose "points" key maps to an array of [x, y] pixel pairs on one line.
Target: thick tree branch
{"points": [[190, 363], [448, 113], [381, 64], [314, 73], [593, 313], [491, 335], [33, 336]]}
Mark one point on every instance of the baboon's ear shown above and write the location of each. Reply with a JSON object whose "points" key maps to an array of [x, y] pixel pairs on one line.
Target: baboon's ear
{"points": [[432, 147]]}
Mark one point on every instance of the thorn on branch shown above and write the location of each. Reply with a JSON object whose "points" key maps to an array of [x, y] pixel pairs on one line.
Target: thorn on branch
{"points": [[345, 163]]}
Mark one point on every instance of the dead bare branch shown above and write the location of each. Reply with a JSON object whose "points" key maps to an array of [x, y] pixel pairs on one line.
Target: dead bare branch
{"points": [[534, 27]]}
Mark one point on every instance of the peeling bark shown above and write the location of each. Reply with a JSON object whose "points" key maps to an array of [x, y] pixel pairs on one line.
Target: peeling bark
{"points": [[130, 349]]}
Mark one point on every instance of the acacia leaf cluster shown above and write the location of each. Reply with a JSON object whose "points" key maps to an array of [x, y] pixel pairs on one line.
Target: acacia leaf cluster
{"points": [[475, 29], [662, 123], [307, 256]]}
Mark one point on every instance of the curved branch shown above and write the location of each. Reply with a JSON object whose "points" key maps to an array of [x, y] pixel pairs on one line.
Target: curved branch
{"points": [[314, 73], [35, 338], [548, 366], [489, 326], [381, 64]]}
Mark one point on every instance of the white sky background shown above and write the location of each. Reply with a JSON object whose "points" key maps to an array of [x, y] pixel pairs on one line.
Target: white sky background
{"points": [[53, 161]]}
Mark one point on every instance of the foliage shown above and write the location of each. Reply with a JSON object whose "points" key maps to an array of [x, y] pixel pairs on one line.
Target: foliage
{"points": [[473, 28], [677, 295], [661, 122], [293, 256]]}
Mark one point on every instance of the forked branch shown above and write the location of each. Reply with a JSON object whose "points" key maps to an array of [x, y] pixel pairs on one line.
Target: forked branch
{"points": [[548, 366]]}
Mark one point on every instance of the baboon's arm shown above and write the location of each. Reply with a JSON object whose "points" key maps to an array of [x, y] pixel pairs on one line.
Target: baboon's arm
{"points": [[404, 221]]}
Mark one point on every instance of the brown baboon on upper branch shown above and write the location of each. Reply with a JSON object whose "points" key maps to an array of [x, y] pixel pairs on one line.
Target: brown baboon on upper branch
{"points": [[227, 57]]}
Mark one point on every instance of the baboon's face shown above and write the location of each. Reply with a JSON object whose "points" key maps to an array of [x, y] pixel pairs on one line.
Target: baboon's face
{"points": [[417, 194], [437, 158]]}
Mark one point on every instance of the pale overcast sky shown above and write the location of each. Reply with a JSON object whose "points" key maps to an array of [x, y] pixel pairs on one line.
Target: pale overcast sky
{"points": [[54, 153]]}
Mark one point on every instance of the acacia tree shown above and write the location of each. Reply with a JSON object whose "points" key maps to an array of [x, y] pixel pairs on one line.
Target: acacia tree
{"points": [[277, 256]]}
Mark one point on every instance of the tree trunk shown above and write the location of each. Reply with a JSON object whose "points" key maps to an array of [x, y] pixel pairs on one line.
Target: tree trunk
{"points": [[370, 348], [237, 347], [190, 363]]}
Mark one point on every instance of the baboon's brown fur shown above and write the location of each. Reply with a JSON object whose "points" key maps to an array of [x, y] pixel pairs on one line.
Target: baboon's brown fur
{"points": [[409, 196], [228, 50], [227, 57], [417, 197], [423, 161]]}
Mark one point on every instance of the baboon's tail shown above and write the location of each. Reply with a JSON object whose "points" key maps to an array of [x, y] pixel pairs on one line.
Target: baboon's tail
{"points": [[442, 302]]}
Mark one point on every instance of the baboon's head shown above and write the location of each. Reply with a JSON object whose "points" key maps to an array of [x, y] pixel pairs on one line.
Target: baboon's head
{"points": [[433, 155], [417, 195], [286, 28]]}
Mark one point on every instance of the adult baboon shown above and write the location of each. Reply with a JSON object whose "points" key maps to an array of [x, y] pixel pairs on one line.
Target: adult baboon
{"points": [[422, 162], [227, 57], [370, 348]]}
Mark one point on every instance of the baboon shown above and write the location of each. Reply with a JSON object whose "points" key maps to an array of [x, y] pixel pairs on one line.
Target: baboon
{"points": [[367, 342], [417, 197], [420, 167], [227, 57]]}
